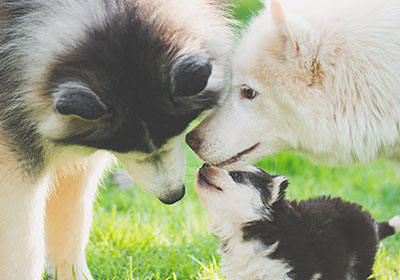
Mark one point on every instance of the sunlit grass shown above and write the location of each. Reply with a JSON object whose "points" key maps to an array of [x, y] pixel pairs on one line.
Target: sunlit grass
{"points": [[136, 237]]}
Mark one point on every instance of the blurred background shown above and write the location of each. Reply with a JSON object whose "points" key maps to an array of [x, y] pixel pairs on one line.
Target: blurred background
{"points": [[134, 236]]}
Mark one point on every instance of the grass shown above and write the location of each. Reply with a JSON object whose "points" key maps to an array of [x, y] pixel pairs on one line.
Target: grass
{"points": [[135, 237]]}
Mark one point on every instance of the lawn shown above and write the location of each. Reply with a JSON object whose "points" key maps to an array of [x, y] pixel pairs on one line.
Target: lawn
{"points": [[134, 236]]}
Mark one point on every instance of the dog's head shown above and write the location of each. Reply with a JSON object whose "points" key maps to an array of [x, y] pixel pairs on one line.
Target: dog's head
{"points": [[233, 198], [279, 99], [133, 84]]}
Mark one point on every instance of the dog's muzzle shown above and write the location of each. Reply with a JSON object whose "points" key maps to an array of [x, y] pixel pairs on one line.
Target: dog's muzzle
{"points": [[174, 196]]}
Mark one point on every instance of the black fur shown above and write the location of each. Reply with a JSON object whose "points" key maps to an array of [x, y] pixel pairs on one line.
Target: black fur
{"points": [[258, 180], [79, 101], [324, 235], [126, 62], [130, 68], [190, 75], [385, 230]]}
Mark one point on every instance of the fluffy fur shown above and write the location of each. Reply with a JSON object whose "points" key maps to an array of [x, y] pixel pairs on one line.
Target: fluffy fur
{"points": [[79, 78], [266, 237], [325, 76]]}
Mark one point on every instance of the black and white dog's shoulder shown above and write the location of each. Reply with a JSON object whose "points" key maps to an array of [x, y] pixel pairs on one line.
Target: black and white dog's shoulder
{"points": [[264, 236]]}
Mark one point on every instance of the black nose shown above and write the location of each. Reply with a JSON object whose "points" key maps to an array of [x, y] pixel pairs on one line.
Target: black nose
{"points": [[205, 165], [193, 140], [171, 199]]}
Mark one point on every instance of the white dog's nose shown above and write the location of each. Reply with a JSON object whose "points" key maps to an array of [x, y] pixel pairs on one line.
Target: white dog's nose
{"points": [[193, 140]]}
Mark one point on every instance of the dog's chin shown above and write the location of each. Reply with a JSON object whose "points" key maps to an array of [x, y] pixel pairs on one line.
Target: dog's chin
{"points": [[241, 159]]}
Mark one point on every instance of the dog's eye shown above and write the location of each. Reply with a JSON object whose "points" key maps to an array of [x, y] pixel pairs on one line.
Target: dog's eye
{"points": [[236, 176], [248, 92]]}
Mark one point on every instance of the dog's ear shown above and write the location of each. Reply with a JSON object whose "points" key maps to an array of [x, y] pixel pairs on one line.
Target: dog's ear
{"points": [[296, 38], [283, 37], [190, 74], [279, 186], [74, 99]]}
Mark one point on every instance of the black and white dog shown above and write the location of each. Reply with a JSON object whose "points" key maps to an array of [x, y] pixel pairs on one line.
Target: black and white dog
{"points": [[80, 79], [266, 237]]}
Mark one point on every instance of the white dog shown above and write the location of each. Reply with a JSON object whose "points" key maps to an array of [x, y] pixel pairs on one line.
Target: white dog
{"points": [[319, 77]]}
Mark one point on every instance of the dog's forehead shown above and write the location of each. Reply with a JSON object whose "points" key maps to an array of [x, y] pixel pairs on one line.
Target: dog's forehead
{"points": [[259, 178], [127, 65]]}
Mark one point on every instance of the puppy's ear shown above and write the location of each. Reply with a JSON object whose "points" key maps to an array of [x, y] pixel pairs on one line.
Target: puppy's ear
{"points": [[190, 74], [74, 99], [279, 186]]}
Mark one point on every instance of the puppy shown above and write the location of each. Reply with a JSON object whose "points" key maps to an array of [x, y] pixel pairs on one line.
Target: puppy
{"points": [[266, 237], [319, 77]]}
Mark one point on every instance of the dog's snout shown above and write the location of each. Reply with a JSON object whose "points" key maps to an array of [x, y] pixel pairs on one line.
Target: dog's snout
{"points": [[205, 165], [193, 140], [174, 197]]}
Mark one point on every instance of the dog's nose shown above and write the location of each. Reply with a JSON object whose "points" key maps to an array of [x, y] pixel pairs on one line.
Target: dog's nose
{"points": [[205, 165], [193, 140], [174, 197]]}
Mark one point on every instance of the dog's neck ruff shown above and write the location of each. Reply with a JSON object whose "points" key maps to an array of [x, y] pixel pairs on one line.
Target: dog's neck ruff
{"points": [[250, 260]]}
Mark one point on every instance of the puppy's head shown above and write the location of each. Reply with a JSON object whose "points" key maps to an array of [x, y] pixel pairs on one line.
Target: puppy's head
{"points": [[233, 198]]}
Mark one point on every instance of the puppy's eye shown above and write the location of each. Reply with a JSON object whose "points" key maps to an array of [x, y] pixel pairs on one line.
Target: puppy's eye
{"points": [[247, 92], [236, 176]]}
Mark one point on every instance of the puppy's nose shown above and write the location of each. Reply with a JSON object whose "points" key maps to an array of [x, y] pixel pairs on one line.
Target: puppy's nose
{"points": [[193, 140], [205, 165]]}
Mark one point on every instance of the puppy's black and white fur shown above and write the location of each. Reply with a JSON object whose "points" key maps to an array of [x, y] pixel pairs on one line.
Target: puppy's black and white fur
{"points": [[266, 237], [83, 82]]}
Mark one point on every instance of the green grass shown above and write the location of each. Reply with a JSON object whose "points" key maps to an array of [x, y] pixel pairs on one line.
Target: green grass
{"points": [[134, 236]]}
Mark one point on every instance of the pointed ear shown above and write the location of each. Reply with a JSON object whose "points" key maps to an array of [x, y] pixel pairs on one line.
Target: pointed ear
{"points": [[190, 74], [297, 38], [279, 186], [74, 99], [283, 39], [277, 12]]}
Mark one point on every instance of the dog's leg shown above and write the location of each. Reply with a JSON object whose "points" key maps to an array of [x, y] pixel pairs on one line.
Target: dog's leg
{"points": [[69, 216], [22, 205]]}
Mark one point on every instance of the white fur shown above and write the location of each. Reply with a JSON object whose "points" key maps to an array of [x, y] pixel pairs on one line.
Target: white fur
{"points": [[277, 181], [316, 276], [69, 214], [249, 261], [395, 223], [162, 178], [21, 234], [228, 210], [58, 204], [327, 73], [350, 275]]}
